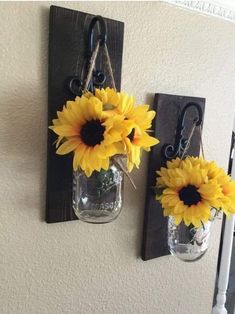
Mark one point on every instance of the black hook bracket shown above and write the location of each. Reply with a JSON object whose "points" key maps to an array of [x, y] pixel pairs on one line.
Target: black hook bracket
{"points": [[74, 84], [102, 37], [172, 151]]}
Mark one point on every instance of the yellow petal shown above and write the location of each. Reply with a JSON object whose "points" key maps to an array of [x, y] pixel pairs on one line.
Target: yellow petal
{"points": [[146, 140], [67, 147], [65, 130]]}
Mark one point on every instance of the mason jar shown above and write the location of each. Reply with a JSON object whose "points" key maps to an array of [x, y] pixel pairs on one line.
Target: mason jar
{"points": [[98, 199], [188, 243]]}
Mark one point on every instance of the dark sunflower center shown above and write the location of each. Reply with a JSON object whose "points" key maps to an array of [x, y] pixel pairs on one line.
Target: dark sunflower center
{"points": [[189, 195], [92, 133], [131, 135]]}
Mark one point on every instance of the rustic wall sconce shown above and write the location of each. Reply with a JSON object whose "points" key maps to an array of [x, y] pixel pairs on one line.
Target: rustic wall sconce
{"points": [[185, 193], [104, 130], [73, 36], [176, 124]]}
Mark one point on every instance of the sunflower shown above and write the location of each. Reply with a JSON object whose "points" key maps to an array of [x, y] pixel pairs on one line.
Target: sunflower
{"points": [[137, 120], [110, 99], [138, 138], [226, 201], [188, 194], [83, 129], [228, 198], [98, 126], [213, 171], [134, 142]]}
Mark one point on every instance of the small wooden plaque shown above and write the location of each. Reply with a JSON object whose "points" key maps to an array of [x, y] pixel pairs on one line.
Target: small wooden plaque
{"points": [[168, 109]]}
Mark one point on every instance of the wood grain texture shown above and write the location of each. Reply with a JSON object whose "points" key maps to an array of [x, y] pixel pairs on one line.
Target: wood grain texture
{"points": [[168, 109], [67, 57]]}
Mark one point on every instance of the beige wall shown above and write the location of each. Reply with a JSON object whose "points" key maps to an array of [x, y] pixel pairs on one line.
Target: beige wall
{"points": [[76, 267]]}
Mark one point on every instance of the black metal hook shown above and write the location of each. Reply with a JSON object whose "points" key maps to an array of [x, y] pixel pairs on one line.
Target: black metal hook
{"points": [[99, 77], [102, 36], [176, 150], [74, 83]]}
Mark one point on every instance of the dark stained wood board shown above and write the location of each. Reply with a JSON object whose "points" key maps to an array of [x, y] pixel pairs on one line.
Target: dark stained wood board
{"points": [[168, 109], [67, 56]]}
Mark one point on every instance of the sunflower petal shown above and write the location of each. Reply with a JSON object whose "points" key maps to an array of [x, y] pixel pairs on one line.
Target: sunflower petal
{"points": [[65, 130], [67, 147]]}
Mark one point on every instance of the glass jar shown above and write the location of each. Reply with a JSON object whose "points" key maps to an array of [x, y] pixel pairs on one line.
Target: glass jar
{"points": [[188, 243], [98, 198]]}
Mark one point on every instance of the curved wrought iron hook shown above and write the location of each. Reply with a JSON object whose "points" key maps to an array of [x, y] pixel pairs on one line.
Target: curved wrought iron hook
{"points": [[102, 36], [173, 151], [99, 77], [74, 83]]}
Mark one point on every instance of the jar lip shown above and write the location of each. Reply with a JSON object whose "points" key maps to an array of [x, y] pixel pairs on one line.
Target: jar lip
{"points": [[112, 166]]}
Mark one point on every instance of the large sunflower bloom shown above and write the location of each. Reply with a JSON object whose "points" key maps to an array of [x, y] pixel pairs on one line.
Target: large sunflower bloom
{"points": [[188, 194], [83, 130], [226, 201], [138, 120], [213, 171]]}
